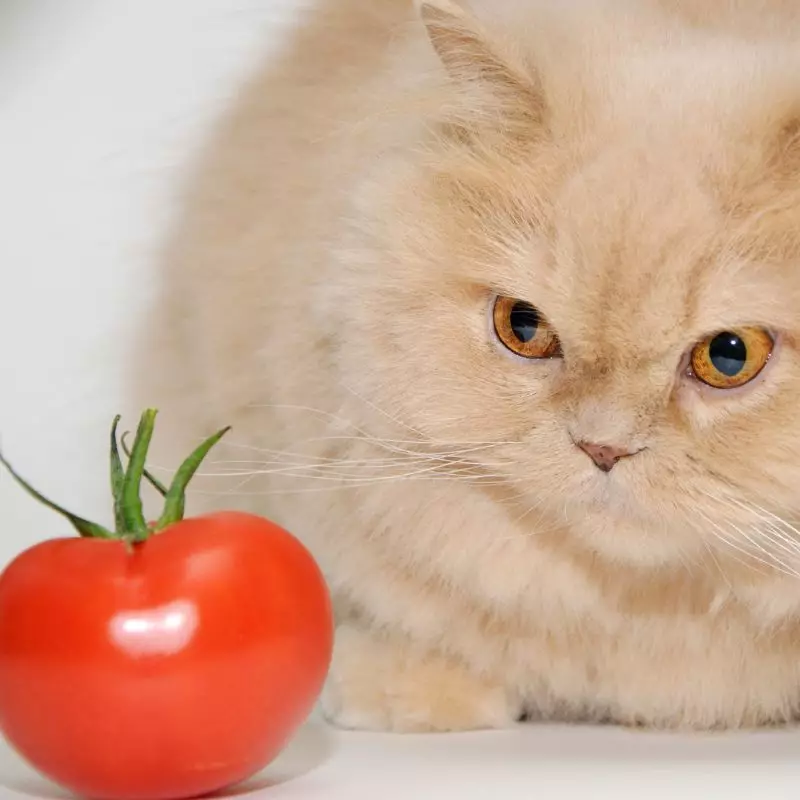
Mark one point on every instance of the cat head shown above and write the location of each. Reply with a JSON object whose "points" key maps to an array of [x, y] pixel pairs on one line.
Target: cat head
{"points": [[588, 267]]}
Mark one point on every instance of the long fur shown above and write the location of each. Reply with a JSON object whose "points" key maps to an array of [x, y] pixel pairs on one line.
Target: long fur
{"points": [[630, 167]]}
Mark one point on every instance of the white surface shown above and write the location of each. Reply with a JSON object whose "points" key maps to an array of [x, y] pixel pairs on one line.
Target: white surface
{"points": [[99, 102], [529, 764]]}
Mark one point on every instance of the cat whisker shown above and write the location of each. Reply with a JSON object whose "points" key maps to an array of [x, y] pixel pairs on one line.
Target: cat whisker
{"points": [[432, 472], [234, 491], [724, 539], [772, 528], [361, 480], [337, 486], [381, 411], [332, 463], [352, 472], [365, 437], [769, 554], [710, 551], [785, 534], [763, 556], [308, 409], [528, 511], [780, 540]]}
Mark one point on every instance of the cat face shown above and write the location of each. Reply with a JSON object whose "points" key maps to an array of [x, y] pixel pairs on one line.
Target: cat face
{"points": [[596, 302]]}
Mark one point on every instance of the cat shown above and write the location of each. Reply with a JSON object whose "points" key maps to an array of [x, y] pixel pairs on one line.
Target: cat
{"points": [[501, 303]]}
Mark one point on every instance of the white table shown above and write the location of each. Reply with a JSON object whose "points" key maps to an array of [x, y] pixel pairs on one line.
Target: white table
{"points": [[531, 762]]}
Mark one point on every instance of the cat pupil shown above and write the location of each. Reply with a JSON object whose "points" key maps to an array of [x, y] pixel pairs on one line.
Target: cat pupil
{"points": [[524, 322], [728, 354]]}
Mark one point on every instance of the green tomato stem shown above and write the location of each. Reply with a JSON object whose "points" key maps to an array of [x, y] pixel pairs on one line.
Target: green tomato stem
{"points": [[130, 525], [148, 476], [130, 496], [89, 530], [117, 477], [175, 501]]}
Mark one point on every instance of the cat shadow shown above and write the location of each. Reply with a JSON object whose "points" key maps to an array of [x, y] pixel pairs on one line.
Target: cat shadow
{"points": [[618, 746]]}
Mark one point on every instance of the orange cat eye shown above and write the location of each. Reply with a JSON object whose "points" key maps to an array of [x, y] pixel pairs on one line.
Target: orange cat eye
{"points": [[524, 330], [730, 359]]}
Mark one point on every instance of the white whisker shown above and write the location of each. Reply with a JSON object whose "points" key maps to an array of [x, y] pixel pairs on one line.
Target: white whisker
{"points": [[767, 559]]}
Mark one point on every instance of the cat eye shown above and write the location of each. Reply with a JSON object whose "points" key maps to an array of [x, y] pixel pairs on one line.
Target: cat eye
{"points": [[524, 330], [730, 359]]}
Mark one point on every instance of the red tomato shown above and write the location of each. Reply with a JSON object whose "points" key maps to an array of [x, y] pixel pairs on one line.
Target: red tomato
{"points": [[166, 668]]}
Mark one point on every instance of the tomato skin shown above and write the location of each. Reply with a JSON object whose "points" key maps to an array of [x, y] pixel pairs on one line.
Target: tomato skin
{"points": [[168, 671]]}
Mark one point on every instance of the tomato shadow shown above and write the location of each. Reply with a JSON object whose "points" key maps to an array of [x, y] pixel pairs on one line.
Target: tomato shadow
{"points": [[35, 788], [313, 745], [18, 780]]}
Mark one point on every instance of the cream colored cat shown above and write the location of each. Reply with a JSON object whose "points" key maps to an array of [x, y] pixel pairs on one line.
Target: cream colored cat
{"points": [[503, 305]]}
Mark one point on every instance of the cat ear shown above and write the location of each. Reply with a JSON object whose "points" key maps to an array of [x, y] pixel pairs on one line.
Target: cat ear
{"points": [[483, 65]]}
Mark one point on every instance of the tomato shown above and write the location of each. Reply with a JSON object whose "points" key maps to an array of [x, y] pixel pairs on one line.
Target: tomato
{"points": [[169, 664]]}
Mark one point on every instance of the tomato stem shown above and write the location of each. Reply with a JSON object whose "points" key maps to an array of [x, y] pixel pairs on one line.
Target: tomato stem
{"points": [[85, 528], [175, 501], [130, 525], [130, 500], [117, 477], [149, 477]]}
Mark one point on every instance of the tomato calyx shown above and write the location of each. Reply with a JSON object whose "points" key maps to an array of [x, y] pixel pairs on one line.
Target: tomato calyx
{"points": [[129, 523]]}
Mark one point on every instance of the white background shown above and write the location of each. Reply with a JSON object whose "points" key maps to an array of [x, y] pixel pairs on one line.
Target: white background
{"points": [[100, 102]]}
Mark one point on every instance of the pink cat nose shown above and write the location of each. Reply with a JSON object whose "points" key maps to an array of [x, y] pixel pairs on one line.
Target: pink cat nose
{"points": [[605, 456]]}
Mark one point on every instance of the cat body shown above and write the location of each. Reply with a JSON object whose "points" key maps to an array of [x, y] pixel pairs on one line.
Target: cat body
{"points": [[628, 170]]}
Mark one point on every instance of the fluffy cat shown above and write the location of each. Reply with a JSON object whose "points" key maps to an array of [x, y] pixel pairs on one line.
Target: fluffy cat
{"points": [[502, 305]]}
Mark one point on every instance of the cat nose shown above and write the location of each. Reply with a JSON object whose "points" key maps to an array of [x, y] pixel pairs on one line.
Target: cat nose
{"points": [[605, 456]]}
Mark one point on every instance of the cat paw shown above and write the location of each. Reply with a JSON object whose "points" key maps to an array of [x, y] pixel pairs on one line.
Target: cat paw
{"points": [[378, 684]]}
